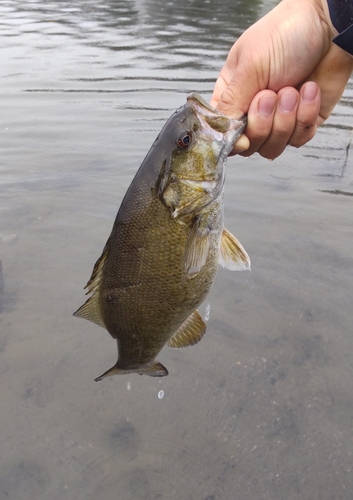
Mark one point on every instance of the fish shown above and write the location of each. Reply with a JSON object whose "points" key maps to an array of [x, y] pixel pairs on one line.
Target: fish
{"points": [[167, 241]]}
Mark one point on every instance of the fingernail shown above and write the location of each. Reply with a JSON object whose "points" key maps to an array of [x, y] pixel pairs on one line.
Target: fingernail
{"points": [[241, 145], [266, 105], [309, 91], [288, 101]]}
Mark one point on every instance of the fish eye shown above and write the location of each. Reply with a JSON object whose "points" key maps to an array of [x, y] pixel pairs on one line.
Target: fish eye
{"points": [[184, 139]]}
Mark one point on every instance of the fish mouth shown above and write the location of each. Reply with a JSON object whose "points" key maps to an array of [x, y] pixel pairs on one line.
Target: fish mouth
{"points": [[204, 108], [215, 123]]}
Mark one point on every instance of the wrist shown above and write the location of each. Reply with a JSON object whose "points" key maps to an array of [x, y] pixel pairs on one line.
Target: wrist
{"points": [[311, 24], [339, 15], [327, 17]]}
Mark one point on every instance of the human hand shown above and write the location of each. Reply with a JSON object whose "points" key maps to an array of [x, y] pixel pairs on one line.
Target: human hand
{"points": [[288, 49]]}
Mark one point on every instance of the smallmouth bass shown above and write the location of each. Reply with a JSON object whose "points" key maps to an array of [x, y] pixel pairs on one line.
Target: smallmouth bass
{"points": [[167, 241]]}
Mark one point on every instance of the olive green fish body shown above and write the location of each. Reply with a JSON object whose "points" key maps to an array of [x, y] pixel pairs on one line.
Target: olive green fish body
{"points": [[167, 241]]}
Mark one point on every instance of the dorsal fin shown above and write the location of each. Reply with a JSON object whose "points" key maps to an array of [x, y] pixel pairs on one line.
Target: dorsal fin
{"points": [[233, 256], [94, 281], [91, 308], [190, 332], [91, 311]]}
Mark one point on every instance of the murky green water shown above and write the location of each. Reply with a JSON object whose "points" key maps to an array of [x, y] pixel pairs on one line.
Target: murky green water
{"points": [[262, 408]]}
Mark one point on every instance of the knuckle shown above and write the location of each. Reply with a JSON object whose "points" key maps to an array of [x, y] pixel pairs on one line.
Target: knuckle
{"points": [[283, 130], [282, 133], [269, 150], [230, 94]]}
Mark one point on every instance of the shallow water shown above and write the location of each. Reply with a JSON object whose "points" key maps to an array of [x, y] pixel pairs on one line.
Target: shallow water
{"points": [[262, 407]]}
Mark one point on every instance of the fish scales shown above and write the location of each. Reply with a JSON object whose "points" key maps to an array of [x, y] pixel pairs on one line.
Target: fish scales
{"points": [[161, 258]]}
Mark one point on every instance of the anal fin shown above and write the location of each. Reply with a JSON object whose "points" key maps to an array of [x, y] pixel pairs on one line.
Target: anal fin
{"points": [[189, 333]]}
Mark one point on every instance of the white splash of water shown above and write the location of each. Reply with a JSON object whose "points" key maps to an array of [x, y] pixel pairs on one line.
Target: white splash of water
{"points": [[161, 395], [206, 316]]}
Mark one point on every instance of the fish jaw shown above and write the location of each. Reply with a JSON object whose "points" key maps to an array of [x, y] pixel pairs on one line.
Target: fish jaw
{"points": [[214, 122]]}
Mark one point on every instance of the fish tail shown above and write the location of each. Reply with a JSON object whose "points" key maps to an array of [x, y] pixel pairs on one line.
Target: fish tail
{"points": [[154, 370]]}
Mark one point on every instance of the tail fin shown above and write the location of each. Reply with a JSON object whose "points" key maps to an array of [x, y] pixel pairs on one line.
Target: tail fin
{"points": [[154, 370]]}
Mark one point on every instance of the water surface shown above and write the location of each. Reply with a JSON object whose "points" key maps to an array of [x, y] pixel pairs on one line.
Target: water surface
{"points": [[262, 407]]}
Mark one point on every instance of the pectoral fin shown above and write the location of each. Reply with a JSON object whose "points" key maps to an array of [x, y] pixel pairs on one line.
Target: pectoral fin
{"points": [[197, 248], [189, 333], [233, 256]]}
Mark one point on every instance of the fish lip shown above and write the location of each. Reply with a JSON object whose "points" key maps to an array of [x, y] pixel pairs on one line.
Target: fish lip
{"points": [[200, 105], [216, 124]]}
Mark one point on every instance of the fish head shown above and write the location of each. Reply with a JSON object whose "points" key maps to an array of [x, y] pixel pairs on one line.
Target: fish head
{"points": [[194, 171]]}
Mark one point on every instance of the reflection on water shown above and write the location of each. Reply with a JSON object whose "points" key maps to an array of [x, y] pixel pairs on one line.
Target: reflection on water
{"points": [[262, 406], [138, 36]]}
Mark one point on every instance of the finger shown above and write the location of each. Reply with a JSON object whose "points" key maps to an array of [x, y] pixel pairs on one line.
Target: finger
{"points": [[283, 123], [260, 119], [307, 114], [240, 146]]}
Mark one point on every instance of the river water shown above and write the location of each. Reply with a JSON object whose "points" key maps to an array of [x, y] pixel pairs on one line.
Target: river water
{"points": [[262, 408]]}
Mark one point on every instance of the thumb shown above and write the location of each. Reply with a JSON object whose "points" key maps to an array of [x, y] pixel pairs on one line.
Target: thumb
{"points": [[232, 95], [235, 88]]}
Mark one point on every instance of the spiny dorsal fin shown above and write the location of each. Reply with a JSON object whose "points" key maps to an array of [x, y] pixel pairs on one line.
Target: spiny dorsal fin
{"points": [[233, 256], [91, 308], [197, 248], [190, 332], [94, 281]]}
